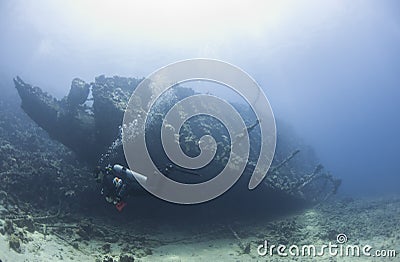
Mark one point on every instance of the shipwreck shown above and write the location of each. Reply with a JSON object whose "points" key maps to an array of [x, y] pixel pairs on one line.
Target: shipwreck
{"points": [[88, 119]]}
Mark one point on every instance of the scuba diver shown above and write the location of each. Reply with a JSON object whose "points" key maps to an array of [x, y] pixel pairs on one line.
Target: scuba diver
{"points": [[118, 183]]}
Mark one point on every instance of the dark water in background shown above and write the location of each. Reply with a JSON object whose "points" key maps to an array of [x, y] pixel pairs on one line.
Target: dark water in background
{"points": [[335, 80]]}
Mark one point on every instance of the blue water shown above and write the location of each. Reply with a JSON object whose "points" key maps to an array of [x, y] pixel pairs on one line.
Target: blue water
{"points": [[332, 71]]}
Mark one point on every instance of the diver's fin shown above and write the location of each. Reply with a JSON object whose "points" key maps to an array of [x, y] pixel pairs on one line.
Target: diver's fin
{"points": [[120, 205]]}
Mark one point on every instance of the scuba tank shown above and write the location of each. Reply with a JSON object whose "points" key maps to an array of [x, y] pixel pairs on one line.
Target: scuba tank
{"points": [[152, 181], [129, 173]]}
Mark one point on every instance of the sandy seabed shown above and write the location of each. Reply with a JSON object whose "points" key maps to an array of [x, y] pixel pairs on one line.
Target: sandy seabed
{"points": [[373, 222]]}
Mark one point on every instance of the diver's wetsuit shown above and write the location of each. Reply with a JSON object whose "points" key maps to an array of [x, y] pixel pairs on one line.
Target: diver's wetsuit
{"points": [[115, 192]]}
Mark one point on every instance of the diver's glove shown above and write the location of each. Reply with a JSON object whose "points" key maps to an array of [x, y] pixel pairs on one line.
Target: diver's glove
{"points": [[113, 200], [116, 200], [109, 199]]}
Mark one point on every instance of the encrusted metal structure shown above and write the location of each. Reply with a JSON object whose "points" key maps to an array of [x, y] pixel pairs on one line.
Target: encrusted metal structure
{"points": [[88, 122]]}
